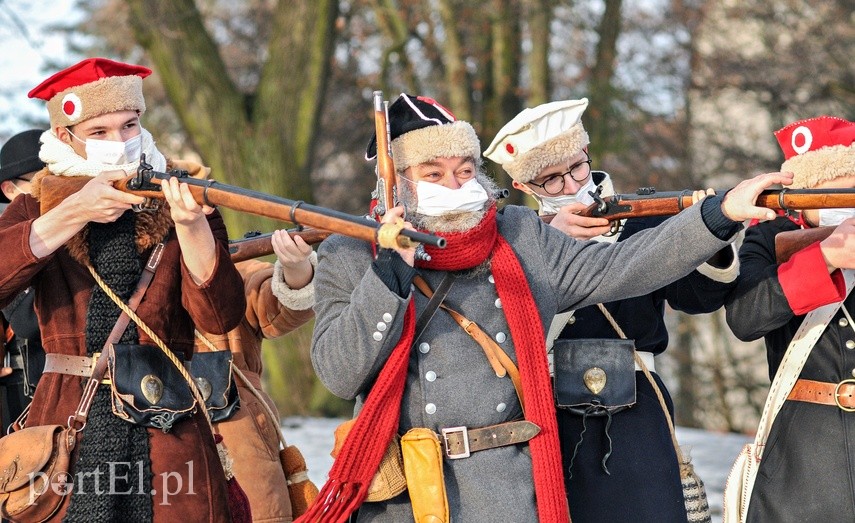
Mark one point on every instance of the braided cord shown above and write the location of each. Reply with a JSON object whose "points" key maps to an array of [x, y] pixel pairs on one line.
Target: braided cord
{"points": [[156, 339]]}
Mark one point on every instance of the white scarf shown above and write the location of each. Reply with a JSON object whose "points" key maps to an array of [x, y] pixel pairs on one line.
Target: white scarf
{"points": [[61, 159]]}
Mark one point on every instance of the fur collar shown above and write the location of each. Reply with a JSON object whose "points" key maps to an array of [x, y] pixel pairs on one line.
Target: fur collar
{"points": [[151, 227]]}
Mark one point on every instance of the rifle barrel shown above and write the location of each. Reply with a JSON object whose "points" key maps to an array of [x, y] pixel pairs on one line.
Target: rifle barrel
{"points": [[648, 202], [211, 192]]}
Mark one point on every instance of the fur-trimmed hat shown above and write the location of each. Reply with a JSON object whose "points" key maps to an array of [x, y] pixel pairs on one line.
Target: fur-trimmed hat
{"points": [[817, 150], [546, 135], [422, 130], [20, 156], [91, 88]]}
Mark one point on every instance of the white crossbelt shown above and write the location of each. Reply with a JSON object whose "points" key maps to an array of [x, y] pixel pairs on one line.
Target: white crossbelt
{"points": [[647, 358]]}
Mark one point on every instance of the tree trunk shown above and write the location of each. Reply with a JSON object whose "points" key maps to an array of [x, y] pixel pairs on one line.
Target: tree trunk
{"points": [[456, 79], [598, 116], [503, 100], [540, 78], [686, 395], [262, 140]]}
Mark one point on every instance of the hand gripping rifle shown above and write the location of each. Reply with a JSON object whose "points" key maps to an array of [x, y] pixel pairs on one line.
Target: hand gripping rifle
{"points": [[146, 183], [254, 244], [385, 193]]}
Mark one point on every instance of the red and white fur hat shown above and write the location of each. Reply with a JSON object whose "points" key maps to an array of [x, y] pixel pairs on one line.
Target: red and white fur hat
{"points": [[817, 150], [91, 88]]}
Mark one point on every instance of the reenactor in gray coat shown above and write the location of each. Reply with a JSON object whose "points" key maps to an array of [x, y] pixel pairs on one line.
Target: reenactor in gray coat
{"points": [[475, 416]]}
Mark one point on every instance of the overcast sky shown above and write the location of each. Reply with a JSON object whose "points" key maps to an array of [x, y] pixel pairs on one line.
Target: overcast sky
{"points": [[25, 46]]}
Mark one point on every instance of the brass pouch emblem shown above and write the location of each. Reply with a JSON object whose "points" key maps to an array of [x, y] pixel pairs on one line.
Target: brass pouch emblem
{"points": [[595, 379], [204, 387], [152, 388]]}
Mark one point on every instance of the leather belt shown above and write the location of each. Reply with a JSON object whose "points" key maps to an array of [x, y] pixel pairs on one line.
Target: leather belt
{"points": [[72, 365], [461, 442], [841, 395]]}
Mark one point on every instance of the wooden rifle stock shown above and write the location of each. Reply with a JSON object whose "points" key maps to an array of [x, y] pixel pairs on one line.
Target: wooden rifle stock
{"points": [[385, 166], [146, 183], [256, 244], [788, 243]]}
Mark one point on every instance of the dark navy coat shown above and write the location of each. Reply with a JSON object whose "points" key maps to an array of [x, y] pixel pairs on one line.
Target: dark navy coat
{"points": [[643, 479], [808, 468]]}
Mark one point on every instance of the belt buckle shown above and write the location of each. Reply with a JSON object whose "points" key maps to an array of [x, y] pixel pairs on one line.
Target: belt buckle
{"points": [[453, 430], [837, 395]]}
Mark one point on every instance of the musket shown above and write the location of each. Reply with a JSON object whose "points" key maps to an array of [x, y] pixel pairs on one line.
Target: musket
{"points": [[788, 243], [648, 202], [146, 183], [254, 244], [385, 191]]}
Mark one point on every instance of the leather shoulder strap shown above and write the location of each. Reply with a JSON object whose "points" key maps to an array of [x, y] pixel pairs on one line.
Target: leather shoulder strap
{"points": [[434, 301], [500, 361], [794, 360], [78, 420]]}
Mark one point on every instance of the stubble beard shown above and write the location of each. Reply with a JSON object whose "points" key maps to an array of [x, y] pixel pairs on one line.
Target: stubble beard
{"points": [[451, 222]]}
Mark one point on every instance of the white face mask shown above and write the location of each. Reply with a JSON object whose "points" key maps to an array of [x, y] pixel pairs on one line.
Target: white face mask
{"points": [[111, 152], [834, 216], [436, 200], [551, 204]]}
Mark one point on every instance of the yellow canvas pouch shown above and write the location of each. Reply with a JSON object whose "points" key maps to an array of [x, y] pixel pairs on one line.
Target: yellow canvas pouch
{"points": [[422, 455]]}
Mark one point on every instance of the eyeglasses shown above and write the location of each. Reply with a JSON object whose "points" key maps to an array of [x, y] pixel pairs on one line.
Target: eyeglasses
{"points": [[579, 172]]}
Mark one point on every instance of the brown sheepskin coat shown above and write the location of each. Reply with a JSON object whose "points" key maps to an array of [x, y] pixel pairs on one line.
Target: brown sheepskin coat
{"points": [[272, 310], [171, 306]]}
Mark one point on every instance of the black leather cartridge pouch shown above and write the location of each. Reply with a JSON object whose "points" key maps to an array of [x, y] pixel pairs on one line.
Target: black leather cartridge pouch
{"points": [[212, 372], [594, 377]]}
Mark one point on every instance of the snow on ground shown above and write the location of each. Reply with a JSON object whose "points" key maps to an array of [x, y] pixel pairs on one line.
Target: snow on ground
{"points": [[712, 453]]}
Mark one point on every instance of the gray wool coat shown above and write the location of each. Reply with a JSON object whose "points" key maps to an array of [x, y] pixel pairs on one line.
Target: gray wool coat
{"points": [[449, 381]]}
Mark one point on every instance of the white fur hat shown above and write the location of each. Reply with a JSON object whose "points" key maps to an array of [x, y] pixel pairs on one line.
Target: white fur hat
{"points": [[546, 135]]}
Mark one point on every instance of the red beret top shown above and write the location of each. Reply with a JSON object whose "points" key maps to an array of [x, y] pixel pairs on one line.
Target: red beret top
{"points": [[812, 134], [85, 72]]}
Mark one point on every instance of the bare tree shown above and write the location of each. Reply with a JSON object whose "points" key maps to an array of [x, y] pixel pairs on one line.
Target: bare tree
{"points": [[263, 138]]}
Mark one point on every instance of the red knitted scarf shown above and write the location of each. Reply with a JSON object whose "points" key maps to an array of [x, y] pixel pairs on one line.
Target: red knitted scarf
{"points": [[375, 425]]}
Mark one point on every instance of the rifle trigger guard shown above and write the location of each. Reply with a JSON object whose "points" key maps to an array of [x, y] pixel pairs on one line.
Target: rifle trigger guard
{"points": [[148, 205], [388, 235], [615, 227]]}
